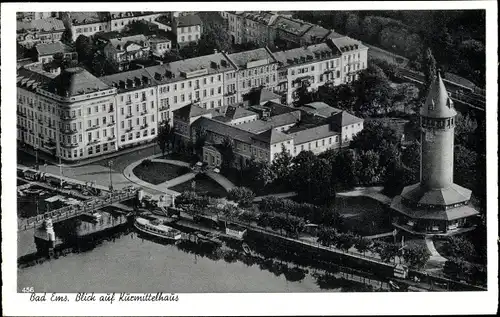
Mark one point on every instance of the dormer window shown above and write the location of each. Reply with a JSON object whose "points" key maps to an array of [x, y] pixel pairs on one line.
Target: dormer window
{"points": [[432, 106]]}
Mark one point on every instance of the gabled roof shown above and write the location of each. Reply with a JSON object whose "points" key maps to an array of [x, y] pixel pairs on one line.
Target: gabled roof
{"points": [[438, 103], [346, 44], [313, 133], [272, 136], [75, 81], [121, 43], [52, 48], [308, 54], [190, 111], [260, 126], [260, 95], [344, 118], [223, 129], [140, 77], [292, 26], [319, 109], [29, 79], [188, 20], [234, 113]]}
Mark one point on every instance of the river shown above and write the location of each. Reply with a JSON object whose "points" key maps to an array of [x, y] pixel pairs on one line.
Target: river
{"points": [[135, 263]]}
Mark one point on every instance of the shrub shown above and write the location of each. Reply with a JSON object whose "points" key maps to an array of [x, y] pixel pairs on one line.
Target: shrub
{"points": [[242, 195], [146, 162]]}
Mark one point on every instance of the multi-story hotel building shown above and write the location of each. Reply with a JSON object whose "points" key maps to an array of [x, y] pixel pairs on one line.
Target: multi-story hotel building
{"points": [[199, 79], [85, 23], [354, 57], [64, 116], [255, 68], [310, 66], [136, 103], [251, 27]]}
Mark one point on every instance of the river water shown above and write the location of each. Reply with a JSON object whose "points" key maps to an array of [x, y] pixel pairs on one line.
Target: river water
{"points": [[135, 263]]}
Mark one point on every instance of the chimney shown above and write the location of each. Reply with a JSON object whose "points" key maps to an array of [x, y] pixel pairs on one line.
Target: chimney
{"points": [[122, 84], [215, 51]]}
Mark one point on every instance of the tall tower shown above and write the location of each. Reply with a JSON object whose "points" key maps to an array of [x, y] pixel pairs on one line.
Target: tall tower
{"points": [[435, 205], [437, 122]]}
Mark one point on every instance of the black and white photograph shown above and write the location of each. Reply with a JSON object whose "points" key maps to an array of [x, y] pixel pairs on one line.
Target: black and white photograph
{"points": [[317, 150]]}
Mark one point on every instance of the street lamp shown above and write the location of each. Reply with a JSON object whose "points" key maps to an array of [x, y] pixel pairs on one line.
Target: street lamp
{"points": [[110, 164]]}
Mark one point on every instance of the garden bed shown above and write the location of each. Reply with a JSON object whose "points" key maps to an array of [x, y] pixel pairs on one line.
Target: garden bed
{"points": [[157, 173], [203, 186], [363, 215]]}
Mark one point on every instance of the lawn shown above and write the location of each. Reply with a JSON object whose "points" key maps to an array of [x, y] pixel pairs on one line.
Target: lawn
{"points": [[157, 173], [203, 185], [363, 215]]}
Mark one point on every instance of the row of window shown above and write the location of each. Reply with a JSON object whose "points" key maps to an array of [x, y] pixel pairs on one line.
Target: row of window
{"points": [[256, 82], [138, 134], [137, 122], [258, 70], [189, 29], [137, 108], [190, 38], [317, 143], [190, 83]]}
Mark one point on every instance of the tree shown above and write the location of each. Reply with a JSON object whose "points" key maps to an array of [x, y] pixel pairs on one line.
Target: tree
{"points": [[242, 195], [67, 36], [282, 166], [201, 138], [171, 56], [370, 171], [464, 130], [430, 71], [163, 136], [362, 244], [345, 241], [352, 25], [374, 136], [465, 162], [459, 247], [374, 92], [388, 251], [84, 48], [227, 153], [344, 169], [416, 256]]}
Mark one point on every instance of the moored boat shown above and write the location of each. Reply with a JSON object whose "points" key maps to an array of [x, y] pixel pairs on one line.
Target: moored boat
{"points": [[156, 228]]}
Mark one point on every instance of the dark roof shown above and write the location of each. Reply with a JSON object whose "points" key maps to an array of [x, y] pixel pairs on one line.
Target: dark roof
{"points": [[234, 113], [292, 26], [423, 213], [272, 136], [319, 109], [29, 80], [316, 33], [260, 126], [223, 129], [308, 54], [123, 81], [313, 133], [120, 43], [189, 111], [47, 25], [75, 81], [344, 118], [52, 48], [260, 95], [443, 196], [241, 59], [277, 108], [346, 43], [438, 103], [188, 20]]}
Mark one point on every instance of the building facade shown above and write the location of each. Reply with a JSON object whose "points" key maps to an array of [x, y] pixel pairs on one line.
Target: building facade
{"points": [[187, 29], [435, 206], [254, 69], [307, 67], [123, 50], [30, 33]]}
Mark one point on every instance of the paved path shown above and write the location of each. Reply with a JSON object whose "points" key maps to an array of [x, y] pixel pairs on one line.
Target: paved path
{"points": [[221, 180], [173, 162], [178, 180], [381, 235], [156, 190], [372, 192], [280, 195], [435, 256]]}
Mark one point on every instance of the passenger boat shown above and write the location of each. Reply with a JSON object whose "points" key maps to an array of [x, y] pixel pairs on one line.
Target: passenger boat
{"points": [[156, 228]]}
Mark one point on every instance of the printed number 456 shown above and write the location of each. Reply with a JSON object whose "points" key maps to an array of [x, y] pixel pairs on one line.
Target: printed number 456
{"points": [[29, 289]]}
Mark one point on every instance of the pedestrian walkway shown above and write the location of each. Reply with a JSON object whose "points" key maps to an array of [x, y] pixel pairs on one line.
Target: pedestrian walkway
{"points": [[372, 192], [172, 162], [221, 180], [178, 180], [279, 195], [154, 189], [435, 256]]}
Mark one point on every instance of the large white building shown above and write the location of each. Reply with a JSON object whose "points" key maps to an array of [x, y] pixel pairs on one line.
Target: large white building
{"points": [[77, 116]]}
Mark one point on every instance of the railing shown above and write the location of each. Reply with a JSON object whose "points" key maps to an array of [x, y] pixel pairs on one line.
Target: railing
{"points": [[69, 131], [128, 102], [69, 145], [163, 108], [111, 123], [73, 211], [129, 115], [110, 110], [111, 138], [92, 128], [67, 117]]}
